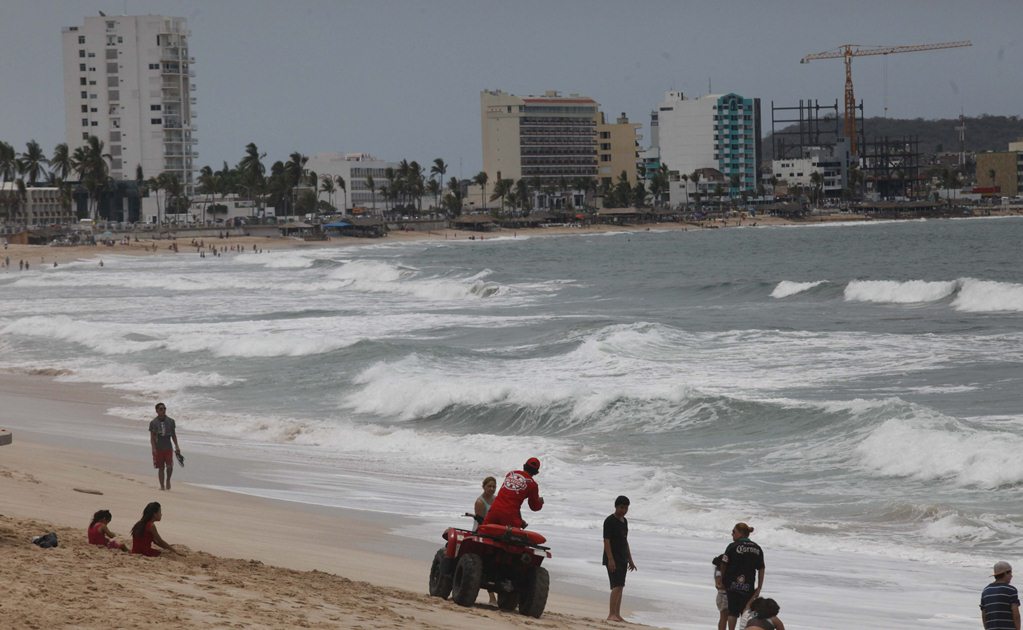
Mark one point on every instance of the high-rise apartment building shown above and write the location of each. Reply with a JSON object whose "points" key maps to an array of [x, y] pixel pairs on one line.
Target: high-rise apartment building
{"points": [[719, 131], [617, 150], [128, 80], [544, 138]]}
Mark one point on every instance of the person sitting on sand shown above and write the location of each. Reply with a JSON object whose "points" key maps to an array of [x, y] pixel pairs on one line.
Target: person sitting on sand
{"points": [[100, 534], [764, 614], [518, 486], [144, 534]]}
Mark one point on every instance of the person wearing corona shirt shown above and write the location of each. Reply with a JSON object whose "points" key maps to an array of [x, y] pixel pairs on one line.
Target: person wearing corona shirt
{"points": [[518, 486]]}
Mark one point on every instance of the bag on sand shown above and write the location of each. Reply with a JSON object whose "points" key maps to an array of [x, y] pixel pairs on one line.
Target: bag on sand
{"points": [[46, 540]]}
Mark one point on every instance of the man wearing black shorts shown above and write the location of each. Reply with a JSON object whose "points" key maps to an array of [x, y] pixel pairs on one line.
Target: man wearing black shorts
{"points": [[617, 556], [742, 564]]}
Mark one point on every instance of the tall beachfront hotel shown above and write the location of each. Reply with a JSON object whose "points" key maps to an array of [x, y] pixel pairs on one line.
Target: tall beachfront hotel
{"points": [[553, 137], [128, 80], [719, 131]]}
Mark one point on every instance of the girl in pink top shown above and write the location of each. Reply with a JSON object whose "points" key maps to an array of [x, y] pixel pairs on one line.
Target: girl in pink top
{"points": [[100, 534]]}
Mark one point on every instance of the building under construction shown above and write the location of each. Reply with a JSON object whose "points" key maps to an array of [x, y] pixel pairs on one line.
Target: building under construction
{"points": [[887, 167]]}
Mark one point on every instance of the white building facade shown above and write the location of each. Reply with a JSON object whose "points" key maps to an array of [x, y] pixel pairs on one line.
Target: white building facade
{"points": [[358, 170], [128, 80], [718, 131]]}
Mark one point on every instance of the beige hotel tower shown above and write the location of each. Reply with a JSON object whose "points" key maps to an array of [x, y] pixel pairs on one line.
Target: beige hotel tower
{"points": [[551, 137]]}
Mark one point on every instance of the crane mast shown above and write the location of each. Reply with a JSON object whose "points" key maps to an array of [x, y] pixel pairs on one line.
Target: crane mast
{"points": [[847, 52]]}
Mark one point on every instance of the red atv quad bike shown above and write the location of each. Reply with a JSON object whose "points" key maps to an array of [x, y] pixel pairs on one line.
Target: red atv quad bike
{"points": [[498, 558]]}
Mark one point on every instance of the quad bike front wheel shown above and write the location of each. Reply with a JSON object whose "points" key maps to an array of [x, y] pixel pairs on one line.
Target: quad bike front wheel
{"points": [[533, 595], [467, 580], [440, 576]]}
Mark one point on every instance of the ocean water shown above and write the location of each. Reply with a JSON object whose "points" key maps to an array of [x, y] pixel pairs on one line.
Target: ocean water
{"points": [[852, 391]]}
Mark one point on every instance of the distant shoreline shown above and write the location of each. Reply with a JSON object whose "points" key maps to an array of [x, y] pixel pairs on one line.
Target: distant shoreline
{"points": [[43, 256]]}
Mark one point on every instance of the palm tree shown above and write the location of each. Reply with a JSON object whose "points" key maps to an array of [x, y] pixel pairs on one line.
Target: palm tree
{"points": [[522, 195], [816, 180], [455, 196], [90, 162], [155, 184], [8, 162], [481, 181], [685, 186], [372, 191], [416, 184], [294, 170], [207, 186], [438, 170], [251, 171], [340, 181], [434, 188], [32, 163], [60, 163], [695, 178], [502, 189], [991, 174], [327, 186]]}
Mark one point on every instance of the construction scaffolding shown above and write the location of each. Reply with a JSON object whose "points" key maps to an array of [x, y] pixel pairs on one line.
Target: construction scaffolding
{"points": [[814, 125], [891, 167]]}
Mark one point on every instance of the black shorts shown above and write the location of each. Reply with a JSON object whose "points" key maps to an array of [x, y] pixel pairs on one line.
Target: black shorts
{"points": [[617, 577], [737, 601]]}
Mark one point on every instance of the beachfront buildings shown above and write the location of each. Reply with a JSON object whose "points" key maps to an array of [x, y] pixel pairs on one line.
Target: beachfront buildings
{"points": [[617, 149], [129, 81], [363, 175], [36, 206], [1000, 173], [716, 131]]}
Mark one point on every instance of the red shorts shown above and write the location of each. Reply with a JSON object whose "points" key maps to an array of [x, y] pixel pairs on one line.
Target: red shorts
{"points": [[162, 458]]}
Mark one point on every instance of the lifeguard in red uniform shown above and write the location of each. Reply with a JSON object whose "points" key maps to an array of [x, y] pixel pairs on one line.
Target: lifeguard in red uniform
{"points": [[518, 486]]}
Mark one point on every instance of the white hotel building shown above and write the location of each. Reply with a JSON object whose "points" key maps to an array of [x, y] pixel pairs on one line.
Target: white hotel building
{"points": [[128, 80]]}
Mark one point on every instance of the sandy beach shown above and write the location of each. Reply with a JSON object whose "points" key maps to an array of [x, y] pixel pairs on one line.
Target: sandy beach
{"points": [[39, 256], [248, 562]]}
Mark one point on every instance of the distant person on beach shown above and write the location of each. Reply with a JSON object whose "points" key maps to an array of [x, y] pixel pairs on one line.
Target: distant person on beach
{"points": [[480, 509], [163, 438], [764, 614], [617, 555], [518, 486], [484, 501], [144, 534], [721, 601], [742, 564], [100, 534], [999, 603]]}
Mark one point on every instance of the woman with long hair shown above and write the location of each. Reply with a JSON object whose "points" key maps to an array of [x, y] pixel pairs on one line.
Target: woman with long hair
{"points": [[144, 534]]}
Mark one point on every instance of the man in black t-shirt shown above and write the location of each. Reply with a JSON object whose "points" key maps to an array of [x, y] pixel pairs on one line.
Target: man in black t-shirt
{"points": [[617, 556], [742, 564]]}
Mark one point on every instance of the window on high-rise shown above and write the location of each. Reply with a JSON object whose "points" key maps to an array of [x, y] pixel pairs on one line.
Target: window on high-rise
{"points": [[81, 39]]}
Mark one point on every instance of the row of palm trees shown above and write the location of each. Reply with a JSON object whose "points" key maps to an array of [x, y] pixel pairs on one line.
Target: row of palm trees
{"points": [[89, 162]]}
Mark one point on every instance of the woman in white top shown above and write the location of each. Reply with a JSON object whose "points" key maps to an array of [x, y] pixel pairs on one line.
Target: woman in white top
{"points": [[484, 500], [480, 510]]}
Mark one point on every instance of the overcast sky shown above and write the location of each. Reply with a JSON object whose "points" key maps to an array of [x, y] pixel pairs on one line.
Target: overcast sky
{"points": [[401, 79]]}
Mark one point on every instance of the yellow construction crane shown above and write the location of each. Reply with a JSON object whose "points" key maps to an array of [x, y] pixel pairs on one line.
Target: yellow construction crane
{"points": [[848, 51]]}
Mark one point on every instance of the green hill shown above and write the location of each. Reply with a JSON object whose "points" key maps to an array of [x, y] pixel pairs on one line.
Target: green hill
{"points": [[983, 133]]}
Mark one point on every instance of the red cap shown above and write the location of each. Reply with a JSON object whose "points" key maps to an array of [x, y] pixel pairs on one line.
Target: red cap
{"points": [[532, 462]]}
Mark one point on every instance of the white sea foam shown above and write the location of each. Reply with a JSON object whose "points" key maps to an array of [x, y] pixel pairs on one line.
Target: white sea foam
{"points": [[986, 296], [943, 449], [895, 292], [787, 288]]}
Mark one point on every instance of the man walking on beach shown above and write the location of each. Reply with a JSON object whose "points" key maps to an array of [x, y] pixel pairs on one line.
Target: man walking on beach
{"points": [[999, 603], [161, 435], [617, 556]]}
